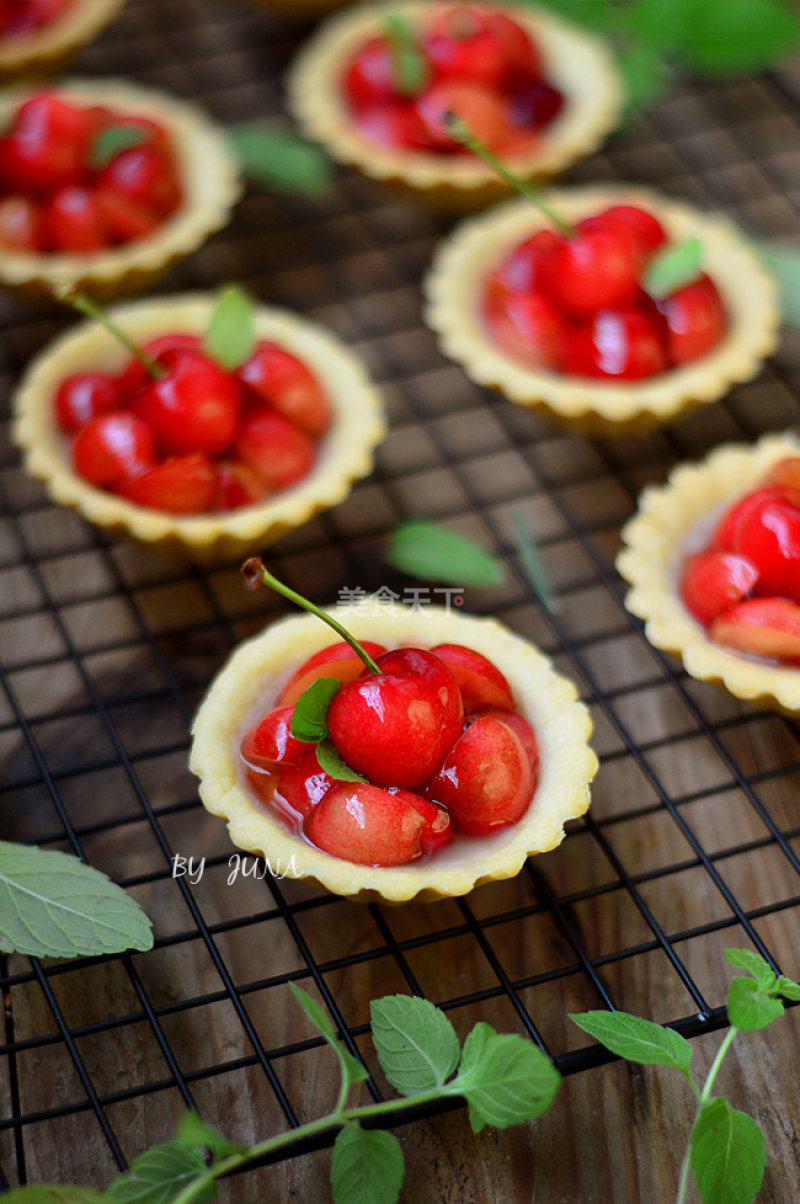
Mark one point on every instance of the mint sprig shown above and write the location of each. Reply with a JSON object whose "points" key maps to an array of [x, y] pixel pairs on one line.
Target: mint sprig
{"points": [[431, 552], [111, 141], [671, 269], [309, 722], [230, 335], [279, 161], [726, 1147]]}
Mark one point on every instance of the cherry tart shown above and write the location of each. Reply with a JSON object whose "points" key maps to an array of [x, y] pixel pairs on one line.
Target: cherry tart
{"points": [[563, 325], [486, 753], [534, 88], [38, 36], [210, 459], [712, 560], [103, 184]]}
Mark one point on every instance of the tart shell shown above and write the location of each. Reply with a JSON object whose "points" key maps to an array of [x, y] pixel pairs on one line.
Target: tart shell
{"points": [[578, 64], [463, 261], [48, 49], [674, 520], [345, 451], [209, 175], [252, 679]]}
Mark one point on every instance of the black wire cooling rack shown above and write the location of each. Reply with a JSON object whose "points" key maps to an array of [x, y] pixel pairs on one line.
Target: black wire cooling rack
{"points": [[692, 842]]}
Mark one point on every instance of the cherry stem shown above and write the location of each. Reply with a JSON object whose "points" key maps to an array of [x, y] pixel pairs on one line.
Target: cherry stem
{"points": [[255, 574], [408, 63], [91, 309], [459, 130]]}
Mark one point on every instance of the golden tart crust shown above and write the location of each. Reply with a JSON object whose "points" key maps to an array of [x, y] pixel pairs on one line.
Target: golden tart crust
{"points": [[252, 679], [676, 519], [480, 244], [209, 175], [345, 452], [578, 64], [49, 48]]}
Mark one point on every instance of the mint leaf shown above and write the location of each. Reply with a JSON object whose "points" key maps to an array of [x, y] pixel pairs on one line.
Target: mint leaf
{"points": [[416, 1044], [637, 1040], [52, 1193], [753, 963], [660, 24], [426, 550], [330, 759], [748, 1007], [410, 67], [504, 1078], [353, 1071], [787, 988], [279, 161], [591, 14], [194, 1132], [110, 141], [644, 75], [725, 38], [230, 336], [310, 711], [726, 1154], [159, 1174], [669, 270], [783, 265], [366, 1167], [532, 564], [53, 905]]}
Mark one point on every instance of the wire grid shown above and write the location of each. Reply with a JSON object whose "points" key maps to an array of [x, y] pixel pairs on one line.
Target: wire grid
{"points": [[107, 649]]}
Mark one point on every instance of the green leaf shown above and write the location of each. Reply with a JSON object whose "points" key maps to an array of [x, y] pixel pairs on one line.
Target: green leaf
{"points": [[726, 1154], [158, 1175], [426, 550], [366, 1167], [783, 265], [230, 336], [637, 1040], [644, 75], [353, 1071], [53, 905], [415, 1042], [532, 563], [330, 759], [671, 269], [591, 14], [786, 987], [309, 715], [52, 1193], [505, 1078], [660, 24], [410, 67], [279, 161], [194, 1133], [753, 963], [734, 37], [748, 1007], [111, 140]]}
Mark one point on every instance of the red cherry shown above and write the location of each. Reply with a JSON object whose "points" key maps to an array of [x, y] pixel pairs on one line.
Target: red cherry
{"points": [[369, 78], [621, 346], [438, 830], [270, 741], [393, 727], [364, 824], [768, 535], [125, 219], [530, 329], [785, 475], [72, 222], [21, 17], [302, 786], [46, 147], [164, 350], [462, 45], [194, 408], [481, 683], [486, 781], [762, 627], [19, 224], [527, 267], [279, 453], [534, 106], [335, 660], [481, 109], [724, 538], [280, 378], [641, 227], [237, 485], [142, 174], [523, 57], [397, 125], [696, 320], [522, 729], [596, 269], [713, 581], [85, 396], [110, 448], [181, 485]]}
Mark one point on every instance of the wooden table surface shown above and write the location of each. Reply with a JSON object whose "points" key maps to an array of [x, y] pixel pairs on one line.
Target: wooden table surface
{"points": [[692, 841]]}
